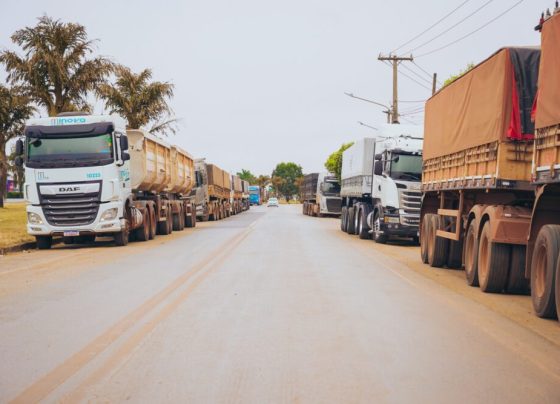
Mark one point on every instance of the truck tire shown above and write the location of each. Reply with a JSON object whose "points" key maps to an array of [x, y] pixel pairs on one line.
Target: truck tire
{"points": [[153, 222], [304, 207], [43, 242], [343, 215], [176, 221], [424, 239], [350, 221], [517, 283], [455, 256], [357, 213], [164, 227], [493, 263], [121, 238], [143, 232], [544, 268], [190, 219], [377, 236], [363, 228], [471, 255], [438, 247]]}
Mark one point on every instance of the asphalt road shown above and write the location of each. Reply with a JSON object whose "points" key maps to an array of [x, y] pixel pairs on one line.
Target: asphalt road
{"points": [[266, 307]]}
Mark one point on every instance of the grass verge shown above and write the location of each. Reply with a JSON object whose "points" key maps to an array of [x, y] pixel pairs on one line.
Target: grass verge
{"points": [[13, 230]]}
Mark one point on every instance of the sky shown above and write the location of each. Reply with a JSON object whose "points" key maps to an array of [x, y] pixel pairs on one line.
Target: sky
{"points": [[259, 82]]}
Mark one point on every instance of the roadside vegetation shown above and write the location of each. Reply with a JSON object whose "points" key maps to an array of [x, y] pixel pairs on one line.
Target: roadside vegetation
{"points": [[12, 223]]}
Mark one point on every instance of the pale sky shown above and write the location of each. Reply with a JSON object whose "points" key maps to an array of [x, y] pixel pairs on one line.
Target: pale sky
{"points": [[259, 82]]}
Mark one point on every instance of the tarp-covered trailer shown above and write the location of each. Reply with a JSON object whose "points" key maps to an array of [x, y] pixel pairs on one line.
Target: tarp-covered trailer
{"points": [[477, 193]]}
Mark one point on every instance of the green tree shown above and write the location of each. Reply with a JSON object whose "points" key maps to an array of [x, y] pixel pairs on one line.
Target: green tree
{"points": [[15, 108], [334, 161], [454, 77], [289, 173], [55, 71], [247, 175], [139, 100]]}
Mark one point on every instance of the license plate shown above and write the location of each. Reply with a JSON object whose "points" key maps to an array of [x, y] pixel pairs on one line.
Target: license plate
{"points": [[71, 233]]}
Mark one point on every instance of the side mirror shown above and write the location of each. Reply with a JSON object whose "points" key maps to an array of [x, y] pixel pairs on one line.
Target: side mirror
{"points": [[125, 156], [123, 143], [18, 161], [378, 156], [378, 168], [396, 159], [19, 147]]}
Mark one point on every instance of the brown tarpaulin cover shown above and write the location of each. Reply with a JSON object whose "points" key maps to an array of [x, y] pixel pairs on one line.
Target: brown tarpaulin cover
{"points": [[471, 111], [548, 102]]}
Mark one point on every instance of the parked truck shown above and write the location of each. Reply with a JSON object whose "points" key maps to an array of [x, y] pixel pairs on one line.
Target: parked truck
{"points": [[236, 195], [478, 198], [380, 187], [245, 195], [213, 191], [87, 176], [320, 193], [255, 195]]}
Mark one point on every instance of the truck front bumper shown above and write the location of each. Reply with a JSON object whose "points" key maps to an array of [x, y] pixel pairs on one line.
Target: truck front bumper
{"points": [[97, 227], [399, 230]]}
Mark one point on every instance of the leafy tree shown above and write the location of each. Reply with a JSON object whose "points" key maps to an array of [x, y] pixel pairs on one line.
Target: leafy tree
{"points": [[289, 173], [15, 108], [261, 181], [454, 77], [247, 175], [140, 101], [334, 161], [55, 71], [18, 172]]}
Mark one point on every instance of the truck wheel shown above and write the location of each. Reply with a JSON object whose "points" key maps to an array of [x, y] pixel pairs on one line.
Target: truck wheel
{"points": [[143, 232], [493, 263], [176, 221], [190, 219], [343, 214], [121, 238], [544, 266], [424, 239], [357, 213], [43, 242], [363, 228], [438, 247], [164, 228], [378, 237], [471, 255], [455, 257], [517, 283], [350, 220], [153, 222]]}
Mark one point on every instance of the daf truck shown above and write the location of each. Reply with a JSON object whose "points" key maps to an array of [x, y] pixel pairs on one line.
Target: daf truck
{"points": [[87, 176], [320, 193], [380, 186]]}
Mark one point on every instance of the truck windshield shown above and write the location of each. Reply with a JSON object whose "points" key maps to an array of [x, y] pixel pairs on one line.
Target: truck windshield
{"points": [[407, 167], [330, 188], [70, 151]]}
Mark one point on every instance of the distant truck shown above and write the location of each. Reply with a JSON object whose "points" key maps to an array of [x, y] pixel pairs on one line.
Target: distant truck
{"points": [[255, 195], [380, 187], [320, 194], [245, 195], [83, 180], [236, 195], [478, 195], [213, 191]]}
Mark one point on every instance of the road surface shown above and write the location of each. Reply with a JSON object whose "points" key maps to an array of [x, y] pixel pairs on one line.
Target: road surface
{"points": [[269, 306]]}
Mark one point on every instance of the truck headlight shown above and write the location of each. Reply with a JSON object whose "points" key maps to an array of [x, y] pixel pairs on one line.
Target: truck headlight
{"points": [[109, 214], [392, 219], [34, 218]]}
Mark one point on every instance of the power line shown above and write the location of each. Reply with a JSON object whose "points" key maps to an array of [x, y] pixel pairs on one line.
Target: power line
{"points": [[431, 26], [414, 102], [416, 81], [473, 32], [425, 71], [450, 28], [416, 74]]}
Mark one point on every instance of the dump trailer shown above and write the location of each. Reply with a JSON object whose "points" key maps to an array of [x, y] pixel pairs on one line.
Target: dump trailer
{"points": [[380, 186], [213, 191], [88, 176], [543, 247], [320, 193], [236, 195], [245, 195], [477, 194]]}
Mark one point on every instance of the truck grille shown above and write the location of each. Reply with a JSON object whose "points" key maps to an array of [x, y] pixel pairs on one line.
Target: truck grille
{"points": [[410, 202], [334, 205], [71, 210]]}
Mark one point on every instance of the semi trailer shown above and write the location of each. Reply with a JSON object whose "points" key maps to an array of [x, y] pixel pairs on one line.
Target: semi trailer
{"points": [[236, 195], [87, 176], [320, 193], [213, 191], [245, 195], [380, 187], [478, 195]]}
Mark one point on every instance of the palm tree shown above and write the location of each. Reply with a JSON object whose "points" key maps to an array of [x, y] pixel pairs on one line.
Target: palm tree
{"points": [[54, 70], [15, 108], [138, 100]]}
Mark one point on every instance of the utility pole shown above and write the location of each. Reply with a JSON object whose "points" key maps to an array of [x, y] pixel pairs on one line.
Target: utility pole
{"points": [[395, 60], [434, 84]]}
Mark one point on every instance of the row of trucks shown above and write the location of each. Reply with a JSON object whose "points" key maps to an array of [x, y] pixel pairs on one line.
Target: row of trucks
{"points": [[320, 195], [88, 176], [482, 192]]}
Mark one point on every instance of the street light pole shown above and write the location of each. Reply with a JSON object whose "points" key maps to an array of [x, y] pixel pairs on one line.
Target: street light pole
{"points": [[387, 108]]}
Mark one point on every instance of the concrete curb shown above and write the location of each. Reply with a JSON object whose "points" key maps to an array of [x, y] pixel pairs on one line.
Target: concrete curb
{"points": [[32, 245]]}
